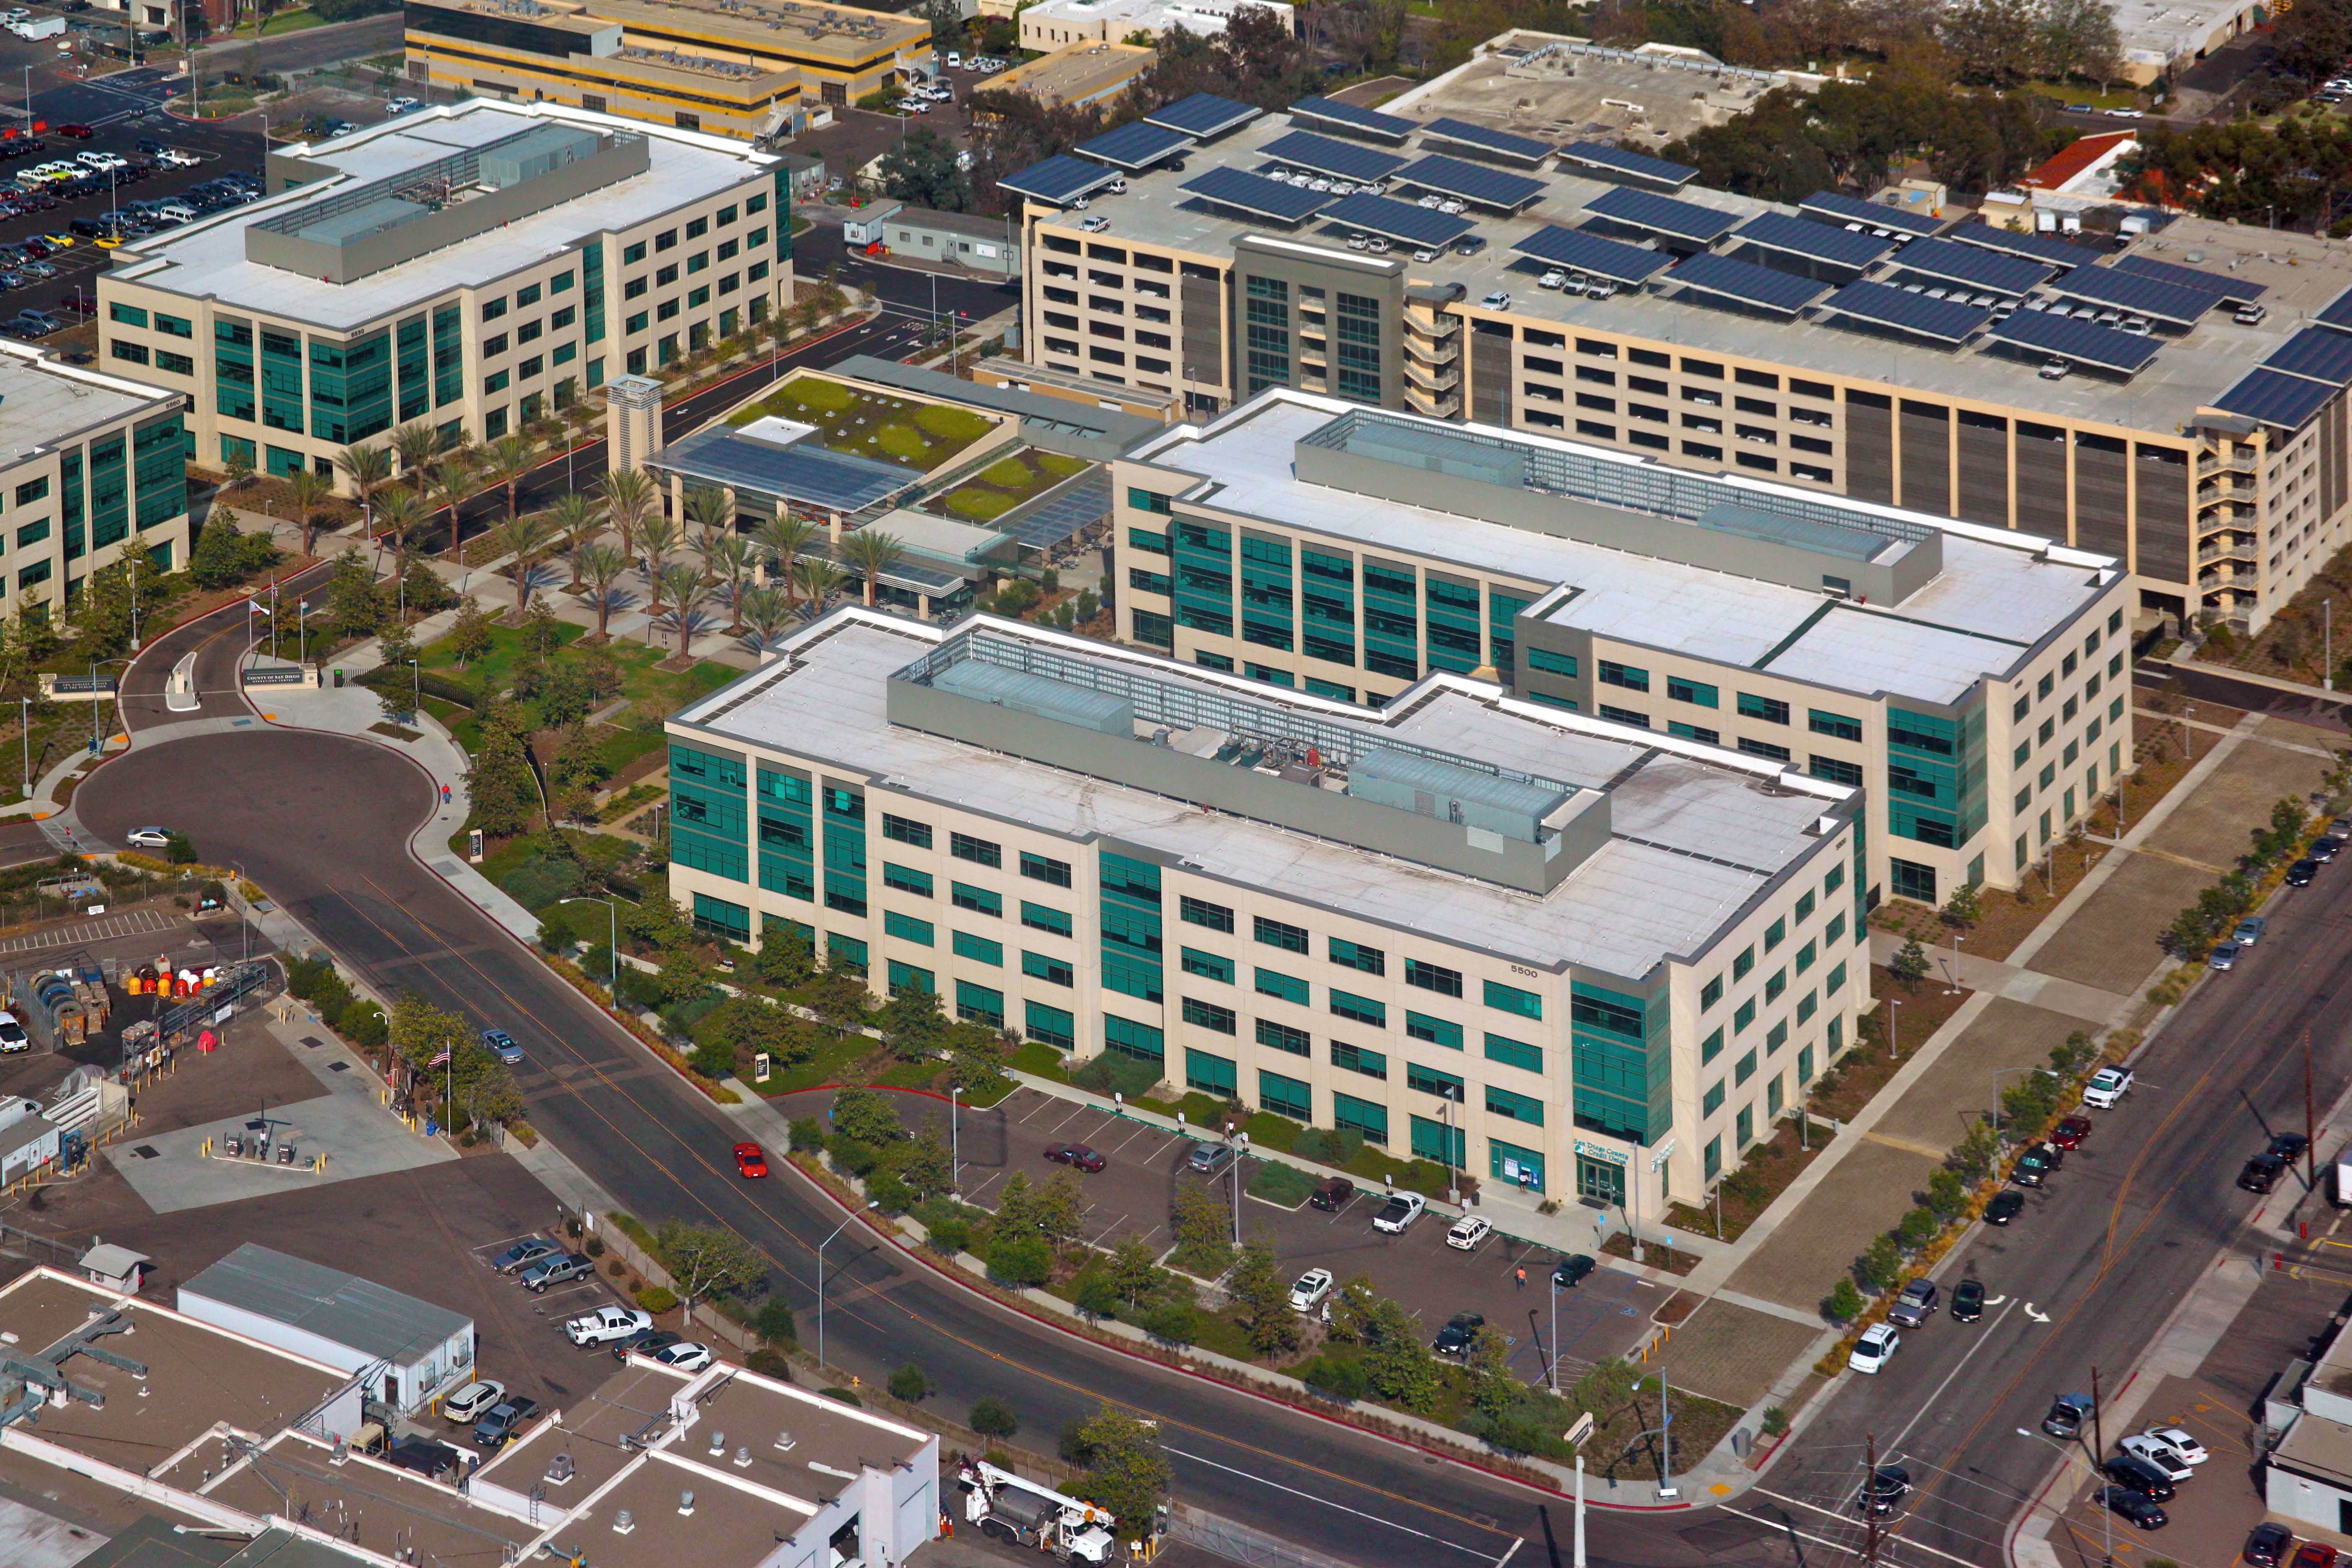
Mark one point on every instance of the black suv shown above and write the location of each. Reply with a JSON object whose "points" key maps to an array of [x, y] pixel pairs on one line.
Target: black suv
{"points": [[2033, 1166], [2142, 1512], [1887, 1485], [2262, 1171], [2300, 874], [2130, 1471], [1454, 1340]]}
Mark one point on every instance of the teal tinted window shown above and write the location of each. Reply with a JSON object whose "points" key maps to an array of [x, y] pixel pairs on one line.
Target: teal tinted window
{"points": [[1285, 1095], [1436, 1031], [1511, 999], [1053, 1026], [979, 949], [1209, 965], [1037, 917], [1514, 1053], [906, 928], [1363, 1009]]}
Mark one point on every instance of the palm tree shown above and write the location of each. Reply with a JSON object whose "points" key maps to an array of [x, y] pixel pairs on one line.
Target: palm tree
{"points": [[731, 556], [767, 613], [784, 538], [681, 584], [306, 491], [451, 484], [578, 518], [658, 536], [871, 552], [816, 578], [417, 443], [522, 538], [400, 511], [509, 459], [628, 498], [599, 565], [368, 467]]}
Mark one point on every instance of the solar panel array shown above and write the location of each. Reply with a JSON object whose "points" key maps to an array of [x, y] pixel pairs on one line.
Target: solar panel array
{"points": [[1662, 215], [1988, 270], [1060, 179], [1946, 320], [1471, 181], [1591, 253], [1062, 513], [2035, 247], [1349, 117], [1342, 160], [1848, 209], [2220, 285], [2081, 341], [2276, 398], [1640, 165], [1497, 144], [2336, 313], [1747, 283], [1251, 193], [2135, 292], [1137, 145], [1203, 115], [1398, 220], [2316, 355], [1819, 241]]}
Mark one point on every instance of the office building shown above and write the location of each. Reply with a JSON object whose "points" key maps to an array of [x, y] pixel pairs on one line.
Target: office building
{"points": [[1085, 73], [736, 68], [1050, 25], [471, 266], [90, 465], [1531, 943], [2173, 398], [1976, 681]]}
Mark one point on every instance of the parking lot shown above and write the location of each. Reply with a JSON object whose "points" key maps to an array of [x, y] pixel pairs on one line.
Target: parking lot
{"points": [[1143, 1166]]}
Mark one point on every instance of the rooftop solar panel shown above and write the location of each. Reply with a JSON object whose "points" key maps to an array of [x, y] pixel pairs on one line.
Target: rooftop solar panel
{"points": [[1349, 117], [1255, 194], [1973, 265], [803, 471], [1488, 187], [1749, 284], [1324, 156], [2237, 290], [2316, 355], [1135, 145], [1946, 320], [1819, 241], [1203, 115], [1847, 209], [1398, 220], [1590, 253], [1662, 215], [1601, 155], [2081, 341], [2135, 292], [2336, 313], [1494, 143], [1063, 512], [1060, 179], [2276, 398], [2034, 246]]}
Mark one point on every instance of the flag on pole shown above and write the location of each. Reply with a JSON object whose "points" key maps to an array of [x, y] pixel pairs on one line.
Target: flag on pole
{"points": [[441, 1061], [257, 607]]}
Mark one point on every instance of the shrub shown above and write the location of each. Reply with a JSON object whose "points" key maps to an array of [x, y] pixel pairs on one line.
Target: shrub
{"points": [[713, 1061], [889, 1190], [1845, 1303], [1776, 1421], [807, 1136], [949, 1234], [844, 1395], [909, 1384], [363, 1023], [596, 1247], [1334, 1375], [856, 1158], [992, 1417], [769, 1363], [1109, 1073], [773, 1323], [657, 1298], [1173, 1320], [1022, 1261]]}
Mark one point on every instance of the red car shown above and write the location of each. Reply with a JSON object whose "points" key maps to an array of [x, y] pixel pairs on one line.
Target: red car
{"points": [[2315, 1555], [1075, 1155], [2071, 1132], [750, 1161], [79, 132]]}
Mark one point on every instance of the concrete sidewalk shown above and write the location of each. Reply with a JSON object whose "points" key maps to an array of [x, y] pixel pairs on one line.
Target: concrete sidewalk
{"points": [[2088, 1002]]}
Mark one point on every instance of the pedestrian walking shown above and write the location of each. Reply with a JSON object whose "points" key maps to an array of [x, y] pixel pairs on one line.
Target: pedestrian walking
{"points": [[1520, 1274]]}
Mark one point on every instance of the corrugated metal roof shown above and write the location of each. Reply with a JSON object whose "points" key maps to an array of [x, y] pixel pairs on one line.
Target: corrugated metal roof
{"points": [[1454, 781], [360, 1313]]}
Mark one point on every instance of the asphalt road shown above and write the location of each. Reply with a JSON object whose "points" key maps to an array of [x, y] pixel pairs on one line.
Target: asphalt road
{"points": [[304, 50]]}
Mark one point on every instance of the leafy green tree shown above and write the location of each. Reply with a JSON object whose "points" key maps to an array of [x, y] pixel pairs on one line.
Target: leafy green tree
{"points": [[1024, 1261], [1947, 1194], [1918, 1228], [912, 1021], [1126, 1473], [1061, 1207], [706, 1259], [1398, 1365], [921, 172], [1965, 908], [1095, 1293], [786, 957], [1882, 1263], [469, 634], [221, 558], [1910, 964], [1486, 1366], [1133, 1268], [1974, 1154], [865, 1115], [1261, 1301], [1845, 1303], [307, 493], [992, 1417], [355, 598], [1351, 1310], [929, 1166], [498, 779], [908, 1383], [1017, 1205], [1201, 1223]]}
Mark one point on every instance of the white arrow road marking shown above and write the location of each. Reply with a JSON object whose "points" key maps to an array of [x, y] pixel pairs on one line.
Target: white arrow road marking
{"points": [[1995, 1300], [2037, 1317]]}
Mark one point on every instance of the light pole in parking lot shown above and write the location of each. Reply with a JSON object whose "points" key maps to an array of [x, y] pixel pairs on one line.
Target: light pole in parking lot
{"points": [[2106, 1514], [955, 1135]]}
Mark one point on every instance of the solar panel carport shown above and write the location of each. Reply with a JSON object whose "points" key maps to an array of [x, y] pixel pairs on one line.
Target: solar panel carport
{"points": [[1883, 304], [1839, 208], [1340, 160], [1815, 242], [1987, 271], [2276, 398], [1354, 121], [1400, 221], [2079, 342], [2034, 246], [2316, 355], [1598, 258], [1745, 283], [1060, 180], [2237, 290], [1608, 160], [1203, 115], [1491, 143], [1256, 194], [1662, 215], [1471, 181], [1135, 145], [2135, 292]]}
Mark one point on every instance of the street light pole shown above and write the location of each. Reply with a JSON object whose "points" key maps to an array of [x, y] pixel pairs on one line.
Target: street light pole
{"points": [[820, 1286], [244, 916], [2106, 1514], [612, 943], [955, 1136]]}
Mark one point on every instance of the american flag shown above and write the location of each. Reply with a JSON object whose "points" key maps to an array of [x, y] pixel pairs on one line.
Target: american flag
{"points": [[441, 1061]]}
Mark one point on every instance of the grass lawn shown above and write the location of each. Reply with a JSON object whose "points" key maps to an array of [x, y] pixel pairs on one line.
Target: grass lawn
{"points": [[872, 425], [641, 682], [2081, 92], [1009, 481], [283, 22], [491, 671]]}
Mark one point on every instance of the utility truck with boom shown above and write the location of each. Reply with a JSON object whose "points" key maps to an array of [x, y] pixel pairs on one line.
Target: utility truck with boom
{"points": [[1027, 1514]]}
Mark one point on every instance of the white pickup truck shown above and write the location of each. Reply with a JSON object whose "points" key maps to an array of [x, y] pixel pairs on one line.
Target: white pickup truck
{"points": [[604, 1325]]}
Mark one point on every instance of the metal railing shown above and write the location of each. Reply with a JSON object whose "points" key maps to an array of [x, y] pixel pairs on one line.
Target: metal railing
{"points": [[1240, 1543]]}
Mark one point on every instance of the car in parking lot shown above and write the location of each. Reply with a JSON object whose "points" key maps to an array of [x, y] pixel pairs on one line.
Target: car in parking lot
{"points": [[2107, 1087], [503, 1045], [1207, 1159], [2250, 930], [2315, 1555], [604, 1325], [549, 1273], [2066, 1414], [1915, 1306], [1311, 1288], [2131, 1470], [529, 1250], [750, 1161], [2070, 1134], [2181, 1443], [1401, 1210], [1468, 1231], [1968, 1300], [1077, 1156], [686, 1356], [2261, 1173], [2157, 1455], [468, 1402], [2144, 1512], [645, 1344], [1569, 1271], [2266, 1545], [13, 1037], [1332, 1195], [1453, 1340], [1875, 1349], [493, 1430], [2004, 1206]]}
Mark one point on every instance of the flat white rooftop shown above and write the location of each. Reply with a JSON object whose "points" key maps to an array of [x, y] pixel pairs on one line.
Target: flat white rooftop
{"points": [[1993, 602], [209, 257], [45, 402], [1697, 832]]}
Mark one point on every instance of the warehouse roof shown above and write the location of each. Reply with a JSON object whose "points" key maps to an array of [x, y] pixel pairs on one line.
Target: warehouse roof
{"points": [[336, 1306]]}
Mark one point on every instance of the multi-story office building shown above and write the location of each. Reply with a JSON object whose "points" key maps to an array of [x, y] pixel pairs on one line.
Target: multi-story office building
{"points": [[469, 267], [1516, 939], [90, 465], [1976, 681], [2175, 400], [743, 67]]}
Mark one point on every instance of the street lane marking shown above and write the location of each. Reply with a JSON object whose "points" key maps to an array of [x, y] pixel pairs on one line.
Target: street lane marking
{"points": [[1885, 1537], [1326, 1502], [1921, 1414], [1514, 1552]]}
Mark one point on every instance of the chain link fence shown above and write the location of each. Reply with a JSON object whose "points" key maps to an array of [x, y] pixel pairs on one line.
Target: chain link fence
{"points": [[1240, 1543]]}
